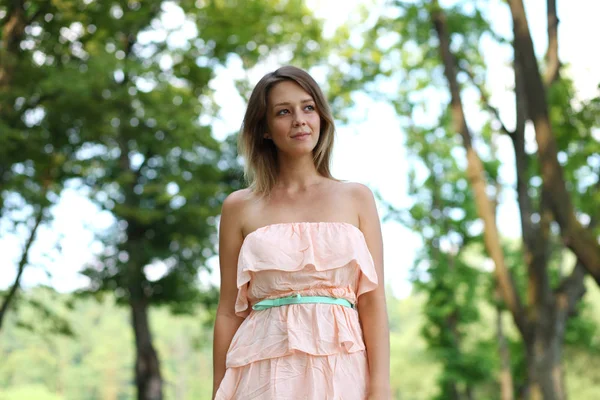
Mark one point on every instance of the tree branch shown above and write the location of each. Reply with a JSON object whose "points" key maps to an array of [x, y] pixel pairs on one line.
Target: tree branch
{"points": [[520, 102], [552, 60], [475, 174], [535, 235], [572, 288], [522, 159], [12, 33], [485, 99], [22, 263]]}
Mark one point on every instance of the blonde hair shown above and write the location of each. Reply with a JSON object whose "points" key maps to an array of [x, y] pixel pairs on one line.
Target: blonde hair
{"points": [[260, 154]]}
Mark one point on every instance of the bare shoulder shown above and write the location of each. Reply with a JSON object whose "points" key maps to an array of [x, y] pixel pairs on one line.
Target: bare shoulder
{"points": [[237, 201], [363, 202], [234, 208], [357, 192]]}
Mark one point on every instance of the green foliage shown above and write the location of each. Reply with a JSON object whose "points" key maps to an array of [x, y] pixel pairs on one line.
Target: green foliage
{"points": [[444, 214], [29, 392], [413, 370], [116, 99], [445, 270], [165, 187], [582, 333], [97, 360], [398, 59], [35, 313], [117, 95], [574, 124]]}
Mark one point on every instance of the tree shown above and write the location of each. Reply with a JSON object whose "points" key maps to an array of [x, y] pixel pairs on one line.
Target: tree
{"points": [[440, 51], [33, 151], [580, 239], [543, 326], [130, 93]]}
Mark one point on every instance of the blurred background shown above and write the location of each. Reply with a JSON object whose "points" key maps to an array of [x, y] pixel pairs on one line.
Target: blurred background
{"points": [[478, 129]]}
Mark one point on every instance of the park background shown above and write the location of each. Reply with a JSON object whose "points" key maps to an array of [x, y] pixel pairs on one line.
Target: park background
{"points": [[117, 145]]}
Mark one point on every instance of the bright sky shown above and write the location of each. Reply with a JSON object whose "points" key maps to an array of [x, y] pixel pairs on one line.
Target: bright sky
{"points": [[369, 151]]}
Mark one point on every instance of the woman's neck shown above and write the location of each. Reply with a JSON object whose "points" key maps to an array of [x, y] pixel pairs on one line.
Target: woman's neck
{"points": [[297, 174]]}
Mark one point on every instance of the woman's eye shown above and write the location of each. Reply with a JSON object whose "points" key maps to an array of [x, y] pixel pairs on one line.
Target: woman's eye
{"points": [[282, 112], [310, 107]]}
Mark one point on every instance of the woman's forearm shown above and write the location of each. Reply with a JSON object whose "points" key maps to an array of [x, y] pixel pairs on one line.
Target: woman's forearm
{"points": [[373, 317], [225, 328]]}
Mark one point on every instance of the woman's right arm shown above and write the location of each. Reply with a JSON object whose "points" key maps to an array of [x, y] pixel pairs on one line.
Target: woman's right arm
{"points": [[227, 323]]}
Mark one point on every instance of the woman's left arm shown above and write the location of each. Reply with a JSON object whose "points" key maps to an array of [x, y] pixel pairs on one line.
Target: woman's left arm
{"points": [[372, 308]]}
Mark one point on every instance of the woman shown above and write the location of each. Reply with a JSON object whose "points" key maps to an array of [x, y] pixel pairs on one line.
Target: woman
{"points": [[302, 312]]}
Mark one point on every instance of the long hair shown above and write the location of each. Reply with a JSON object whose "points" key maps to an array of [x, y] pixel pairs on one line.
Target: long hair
{"points": [[260, 154]]}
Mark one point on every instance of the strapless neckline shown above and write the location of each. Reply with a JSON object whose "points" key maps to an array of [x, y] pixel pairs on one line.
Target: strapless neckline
{"points": [[302, 223]]}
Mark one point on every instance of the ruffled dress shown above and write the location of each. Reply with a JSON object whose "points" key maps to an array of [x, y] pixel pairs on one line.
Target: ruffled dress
{"points": [[300, 351]]}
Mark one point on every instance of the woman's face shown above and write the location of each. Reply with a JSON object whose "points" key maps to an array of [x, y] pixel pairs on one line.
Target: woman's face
{"points": [[292, 119]]}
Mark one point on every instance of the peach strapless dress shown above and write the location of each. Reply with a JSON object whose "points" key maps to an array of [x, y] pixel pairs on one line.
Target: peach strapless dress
{"points": [[300, 351]]}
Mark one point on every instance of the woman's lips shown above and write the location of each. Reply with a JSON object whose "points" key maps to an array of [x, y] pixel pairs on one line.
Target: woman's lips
{"points": [[301, 136]]}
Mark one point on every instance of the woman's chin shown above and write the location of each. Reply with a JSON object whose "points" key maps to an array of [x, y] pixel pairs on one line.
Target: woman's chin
{"points": [[300, 150]]}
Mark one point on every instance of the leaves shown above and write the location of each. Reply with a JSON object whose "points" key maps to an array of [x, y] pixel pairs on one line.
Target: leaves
{"points": [[401, 56], [120, 92], [116, 99]]}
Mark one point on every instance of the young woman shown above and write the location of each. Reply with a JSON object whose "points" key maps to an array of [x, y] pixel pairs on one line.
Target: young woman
{"points": [[302, 311]]}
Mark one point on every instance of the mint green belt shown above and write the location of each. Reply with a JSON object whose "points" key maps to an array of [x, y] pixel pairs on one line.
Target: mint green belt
{"points": [[297, 299]]}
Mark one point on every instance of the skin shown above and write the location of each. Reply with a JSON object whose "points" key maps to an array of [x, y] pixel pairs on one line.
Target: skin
{"points": [[302, 195]]}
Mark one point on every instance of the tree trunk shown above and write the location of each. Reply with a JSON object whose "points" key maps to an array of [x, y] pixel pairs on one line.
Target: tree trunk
{"points": [[147, 370], [476, 175], [22, 264], [544, 358], [469, 392], [506, 380], [452, 391], [580, 240], [552, 60]]}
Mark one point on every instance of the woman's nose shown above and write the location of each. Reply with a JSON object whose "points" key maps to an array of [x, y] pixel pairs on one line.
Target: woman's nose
{"points": [[299, 120]]}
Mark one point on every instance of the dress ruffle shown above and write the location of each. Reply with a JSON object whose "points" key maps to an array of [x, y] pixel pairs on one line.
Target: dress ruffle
{"points": [[316, 329], [299, 376], [295, 246]]}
